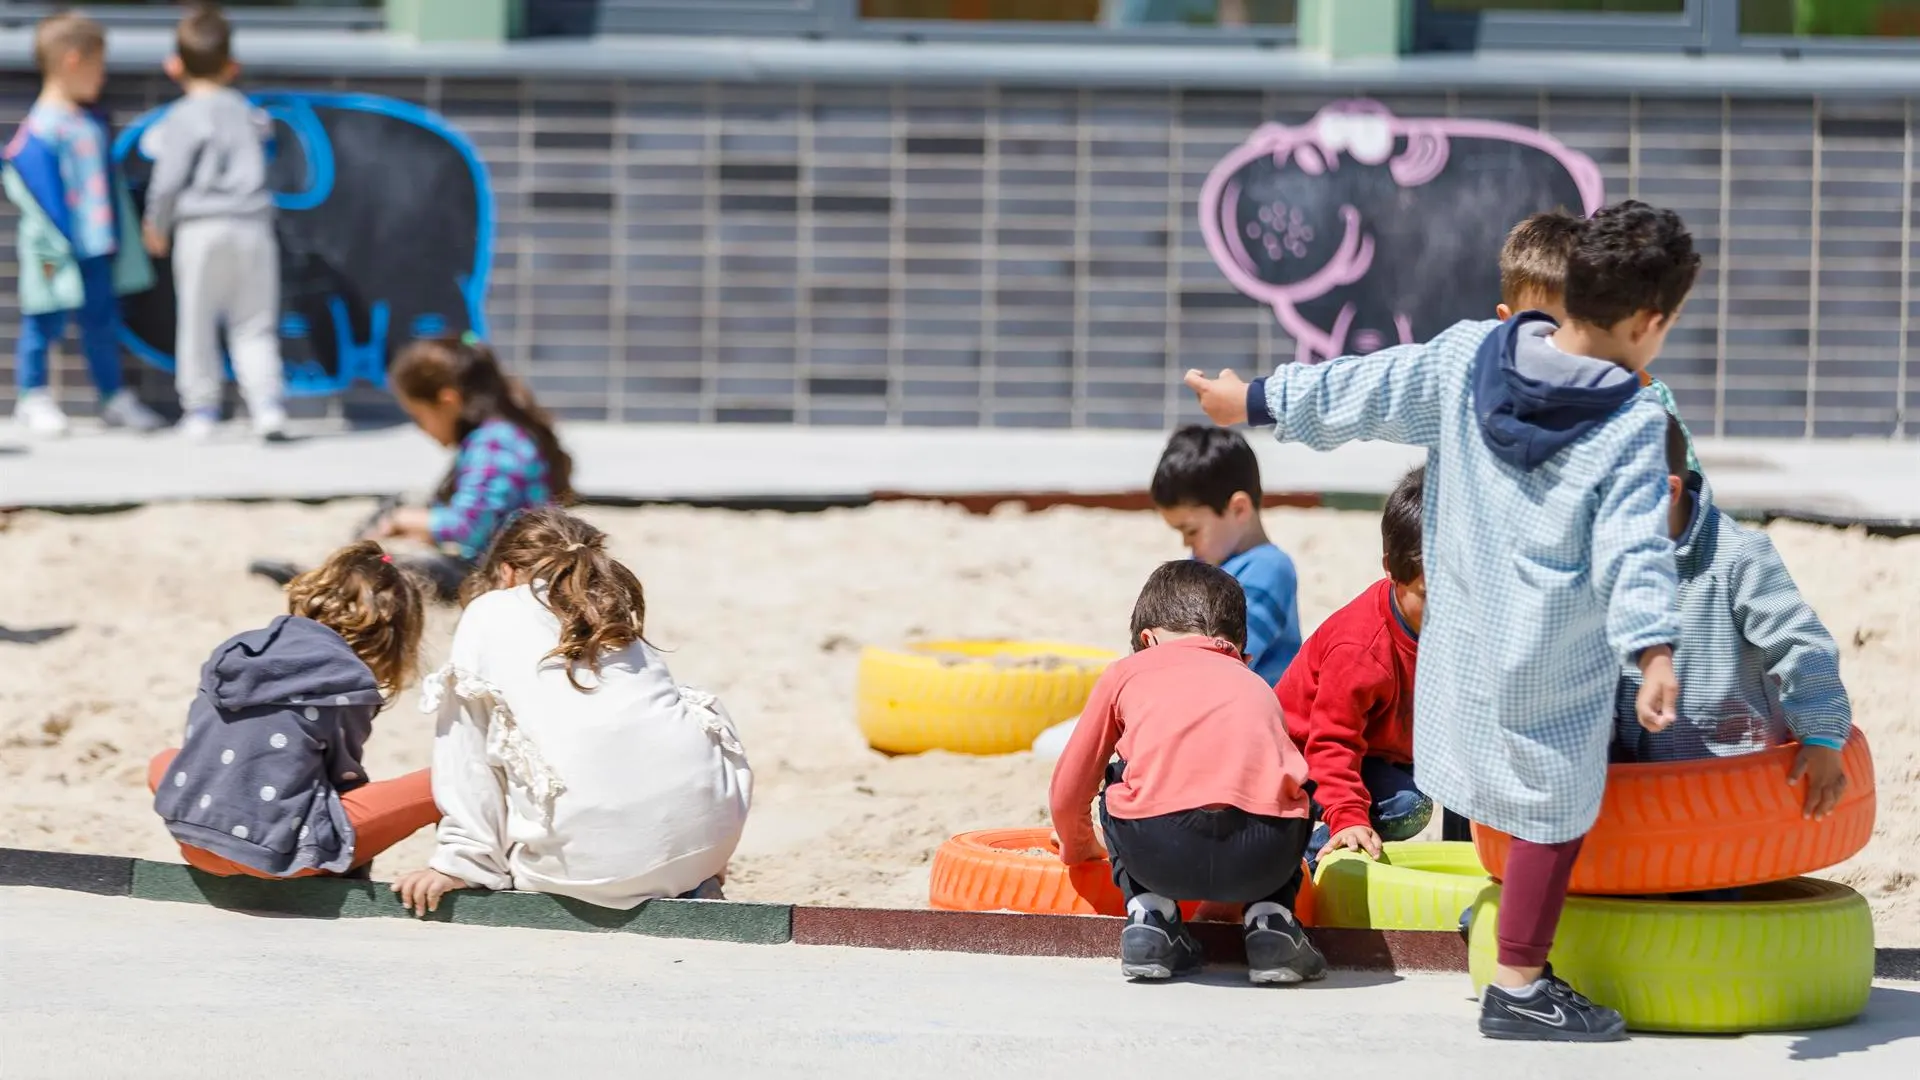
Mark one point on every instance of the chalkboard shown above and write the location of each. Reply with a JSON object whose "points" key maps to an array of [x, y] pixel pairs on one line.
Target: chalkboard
{"points": [[386, 233], [1363, 229]]}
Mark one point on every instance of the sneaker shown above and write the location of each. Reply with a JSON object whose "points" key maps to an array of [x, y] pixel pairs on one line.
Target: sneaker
{"points": [[37, 412], [1156, 947], [270, 425], [1547, 1011], [200, 425], [124, 410], [1278, 951]]}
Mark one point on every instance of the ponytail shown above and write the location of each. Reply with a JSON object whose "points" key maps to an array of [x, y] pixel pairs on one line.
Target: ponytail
{"points": [[487, 392], [599, 602]]}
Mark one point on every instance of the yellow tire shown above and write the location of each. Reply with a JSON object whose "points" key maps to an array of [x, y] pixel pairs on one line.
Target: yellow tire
{"points": [[1413, 886], [1786, 956], [972, 697]]}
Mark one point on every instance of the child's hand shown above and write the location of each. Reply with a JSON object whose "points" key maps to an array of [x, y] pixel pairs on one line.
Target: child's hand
{"points": [[1355, 838], [1826, 779], [157, 245], [420, 891], [1223, 399], [1077, 854], [1659, 690]]}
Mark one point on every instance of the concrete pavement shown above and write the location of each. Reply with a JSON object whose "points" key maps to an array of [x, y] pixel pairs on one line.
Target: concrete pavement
{"points": [[1869, 481], [107, 987]]}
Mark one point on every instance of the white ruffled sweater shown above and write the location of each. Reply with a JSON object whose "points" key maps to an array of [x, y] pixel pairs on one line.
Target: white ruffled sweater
{"points": [[634, 790]]}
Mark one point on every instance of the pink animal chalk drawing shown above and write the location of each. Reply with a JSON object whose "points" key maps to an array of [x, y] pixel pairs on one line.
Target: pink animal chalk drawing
{"points": [[1362, 229]]}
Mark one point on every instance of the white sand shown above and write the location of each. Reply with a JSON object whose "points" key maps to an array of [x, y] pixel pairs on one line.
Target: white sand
{"points": [[768, 611]]}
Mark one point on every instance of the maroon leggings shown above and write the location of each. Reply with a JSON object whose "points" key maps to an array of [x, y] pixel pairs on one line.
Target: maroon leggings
{"points": [[1531, 897]]}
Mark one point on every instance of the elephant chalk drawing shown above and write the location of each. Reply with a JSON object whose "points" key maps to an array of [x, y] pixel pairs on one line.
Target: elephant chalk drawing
{"points": [[385, 221], [1363, 229]]}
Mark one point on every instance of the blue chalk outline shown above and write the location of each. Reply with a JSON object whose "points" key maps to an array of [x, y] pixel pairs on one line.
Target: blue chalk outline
{"points": [[296, 109]]}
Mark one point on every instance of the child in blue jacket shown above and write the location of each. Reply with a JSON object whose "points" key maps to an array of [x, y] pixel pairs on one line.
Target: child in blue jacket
{"points": [[79, 236]]}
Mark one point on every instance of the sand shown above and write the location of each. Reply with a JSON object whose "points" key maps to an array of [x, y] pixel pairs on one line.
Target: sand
{"points": [[768, 611]]}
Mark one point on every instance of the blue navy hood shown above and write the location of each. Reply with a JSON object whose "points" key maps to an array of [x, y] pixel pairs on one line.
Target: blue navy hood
{"points": [[1533, 400], [290, 660]]}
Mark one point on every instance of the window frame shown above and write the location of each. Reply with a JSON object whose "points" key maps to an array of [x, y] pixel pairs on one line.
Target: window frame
{"points": [[848, 22], [1724, 36], [18, 15], [1470, 31]]}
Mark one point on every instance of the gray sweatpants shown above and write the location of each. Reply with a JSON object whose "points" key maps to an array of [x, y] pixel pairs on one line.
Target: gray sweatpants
{"points": [[226, 272]]}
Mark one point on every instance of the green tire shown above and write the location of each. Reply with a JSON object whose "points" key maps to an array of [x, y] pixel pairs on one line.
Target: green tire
{"points": [[1413, 886], [1787, 956]]}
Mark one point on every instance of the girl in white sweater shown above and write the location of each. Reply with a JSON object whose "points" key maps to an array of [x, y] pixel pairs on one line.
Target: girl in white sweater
{"points": [[566, 759]]}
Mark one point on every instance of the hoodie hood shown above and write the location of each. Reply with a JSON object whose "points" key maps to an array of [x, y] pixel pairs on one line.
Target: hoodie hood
{"points": [[290, 661], [1533, 400], [1694, 551]]}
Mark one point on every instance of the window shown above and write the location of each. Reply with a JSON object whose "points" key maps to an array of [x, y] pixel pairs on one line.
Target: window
{"points": [[1831, 18], [1568, 7], [1121, 13]]}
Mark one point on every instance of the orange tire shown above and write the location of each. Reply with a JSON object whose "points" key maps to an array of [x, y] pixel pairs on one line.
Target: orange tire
{"points": [[1720, 823], [1003, 870]]}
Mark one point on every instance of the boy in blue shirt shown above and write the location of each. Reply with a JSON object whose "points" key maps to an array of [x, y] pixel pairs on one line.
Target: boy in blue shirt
{"points": [[1207, 488]]}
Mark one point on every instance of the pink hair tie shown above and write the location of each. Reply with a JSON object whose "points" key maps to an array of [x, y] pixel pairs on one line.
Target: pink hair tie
{"points": [[388, 559]]}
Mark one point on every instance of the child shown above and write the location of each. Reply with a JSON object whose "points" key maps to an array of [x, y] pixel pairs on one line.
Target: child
{"points": [[1207, 487], [1549, 563], [268, 782], [1348, 699], [1755, 663], [1533, 277], [509, 459], [1206, 801], [567, 761], [208, 202], [79, 237]]}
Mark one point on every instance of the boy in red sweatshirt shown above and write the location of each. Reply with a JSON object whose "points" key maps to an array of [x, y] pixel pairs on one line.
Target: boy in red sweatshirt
{"points": [[1207, 801], [1349, 699]]}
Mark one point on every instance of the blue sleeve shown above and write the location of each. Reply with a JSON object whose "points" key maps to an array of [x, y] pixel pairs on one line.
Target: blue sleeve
{"points": [[1273, 621], [1803, 662], [1393, 395]]}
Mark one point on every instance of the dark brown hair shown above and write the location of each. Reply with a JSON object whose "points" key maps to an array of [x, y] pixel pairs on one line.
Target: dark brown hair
{"points": [[1400, 528], [1676, 448], [1631, 258], [1533, 262], [66, 32], [1188, 596], [599, 602], [431, 365], [204, 42], [361, 595]]}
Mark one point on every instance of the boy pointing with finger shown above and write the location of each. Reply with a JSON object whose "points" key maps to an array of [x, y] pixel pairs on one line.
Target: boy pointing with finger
{"points": [[1547, 559]]}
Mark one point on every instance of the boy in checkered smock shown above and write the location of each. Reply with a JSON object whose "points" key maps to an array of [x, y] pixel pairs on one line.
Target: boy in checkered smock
{"points": [[1756, 664], [1548, 563]]}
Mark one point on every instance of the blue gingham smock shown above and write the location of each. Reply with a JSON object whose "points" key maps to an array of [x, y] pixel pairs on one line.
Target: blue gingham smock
{"points": [[1755, 663], [1540, 583]]}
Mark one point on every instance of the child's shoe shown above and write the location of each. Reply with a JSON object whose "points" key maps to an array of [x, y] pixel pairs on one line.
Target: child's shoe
{"points": [[200, 425], [270, 425], [1547, 1011], [39, 414], [1156, 944], [1277, 948], [124, 410]]}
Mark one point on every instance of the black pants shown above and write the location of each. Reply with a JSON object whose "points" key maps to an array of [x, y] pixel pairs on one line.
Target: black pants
{"points": [[1228, 856]]}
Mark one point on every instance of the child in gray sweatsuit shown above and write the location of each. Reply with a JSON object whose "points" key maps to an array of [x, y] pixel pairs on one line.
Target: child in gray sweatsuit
{"points": [[208, 202]]}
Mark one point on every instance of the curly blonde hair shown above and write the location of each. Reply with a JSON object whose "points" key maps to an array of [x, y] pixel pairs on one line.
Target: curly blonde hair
{"points": [[361, 595], [599, 602]]}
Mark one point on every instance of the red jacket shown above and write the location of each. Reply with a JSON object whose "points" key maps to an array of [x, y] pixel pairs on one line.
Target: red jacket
{"points": [[1196, 727], [1348, 696]]}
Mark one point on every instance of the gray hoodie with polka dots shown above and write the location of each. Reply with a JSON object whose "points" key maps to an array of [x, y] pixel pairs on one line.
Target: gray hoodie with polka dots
{"points": [[273, 739]]}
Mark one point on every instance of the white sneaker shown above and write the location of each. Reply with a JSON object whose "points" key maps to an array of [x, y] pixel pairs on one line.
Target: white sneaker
{"points": [[270, 425], [124, 410], [199, 426], [40, 414]]}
